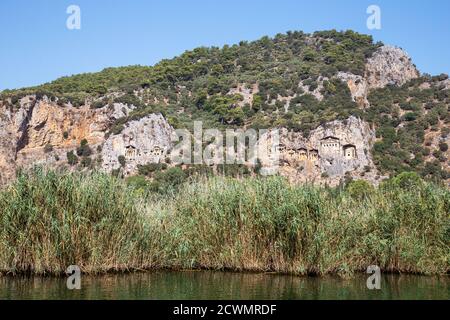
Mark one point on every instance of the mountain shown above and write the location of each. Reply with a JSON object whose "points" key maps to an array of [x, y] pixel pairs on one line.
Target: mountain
{"points": [[348, 108]]}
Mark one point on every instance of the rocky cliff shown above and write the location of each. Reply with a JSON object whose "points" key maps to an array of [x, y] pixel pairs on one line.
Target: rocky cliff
{"points": [[301, 92], [42, 132], [331, 153], [143, 141], [388, 66]]}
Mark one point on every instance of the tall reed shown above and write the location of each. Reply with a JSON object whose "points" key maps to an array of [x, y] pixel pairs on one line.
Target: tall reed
{"points": [[270, 225], [51, 220]]}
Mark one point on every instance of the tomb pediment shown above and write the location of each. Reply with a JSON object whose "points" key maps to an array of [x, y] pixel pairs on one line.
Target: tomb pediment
{"points": [[330, 138]]}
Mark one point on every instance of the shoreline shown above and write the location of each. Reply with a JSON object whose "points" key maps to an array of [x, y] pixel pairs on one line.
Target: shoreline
{"points": [[357, 273]]}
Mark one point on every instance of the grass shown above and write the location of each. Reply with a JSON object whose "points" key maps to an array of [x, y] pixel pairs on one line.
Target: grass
{"points": [[51, 220]]}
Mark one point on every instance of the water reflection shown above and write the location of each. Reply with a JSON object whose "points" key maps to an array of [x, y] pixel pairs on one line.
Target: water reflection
{"points": [[221, 285]]}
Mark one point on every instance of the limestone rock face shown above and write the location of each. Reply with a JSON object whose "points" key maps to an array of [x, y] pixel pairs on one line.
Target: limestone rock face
{"points": [[331, 152], [358, 87], [42, 132], [141, 142], [445, 84], [10, 123], [317, 92], [388, 66]]}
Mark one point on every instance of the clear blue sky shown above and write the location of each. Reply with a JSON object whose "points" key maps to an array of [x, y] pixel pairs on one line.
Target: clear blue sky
{"points": [[36, 46]]}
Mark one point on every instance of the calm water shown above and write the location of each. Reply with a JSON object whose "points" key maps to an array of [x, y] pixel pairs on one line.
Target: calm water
{"points": [[221, 285]]}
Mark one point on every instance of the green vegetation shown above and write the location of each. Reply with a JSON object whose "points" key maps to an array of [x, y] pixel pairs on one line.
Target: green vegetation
{"points": [[359, 189], [199, 81], [122, 160], [72, 159], [158, 177], [84, 150], [402, 147], [53, 220], [149, 169], [207, 84]]}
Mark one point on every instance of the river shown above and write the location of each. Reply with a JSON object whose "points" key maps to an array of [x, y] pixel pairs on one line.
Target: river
{"points": [[199, 285]]}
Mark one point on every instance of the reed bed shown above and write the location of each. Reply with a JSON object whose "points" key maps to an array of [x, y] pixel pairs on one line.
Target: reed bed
{"points": [[51, 220]]}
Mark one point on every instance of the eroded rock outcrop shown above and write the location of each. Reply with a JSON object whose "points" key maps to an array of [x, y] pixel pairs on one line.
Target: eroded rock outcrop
{"points": [[39, 131], [358, 87], [387, 66], [141, 142], [42, 132], [329, 154]]}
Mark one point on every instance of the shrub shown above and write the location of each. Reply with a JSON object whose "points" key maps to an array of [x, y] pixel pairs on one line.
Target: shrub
{"points": [[407, 181], [86, 162], [84, 150], [437, 154], [48, 148], [138, 182], [129, 99], [122, 160], [150, 168], [359, 189], [410, 116], [98, 104], [168, 180], [72, 159]]}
